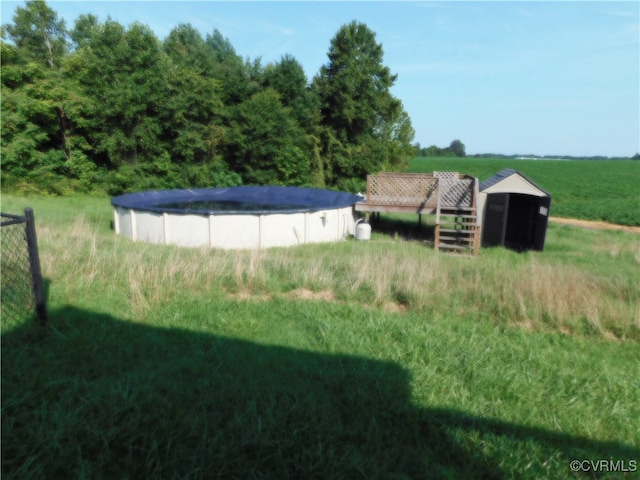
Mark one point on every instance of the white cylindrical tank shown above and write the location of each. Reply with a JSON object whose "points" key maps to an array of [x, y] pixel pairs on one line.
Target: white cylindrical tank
{"points": [[363, 230]]}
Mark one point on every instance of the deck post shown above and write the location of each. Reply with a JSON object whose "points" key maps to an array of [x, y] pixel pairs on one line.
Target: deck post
{"points": [[474, 204], [436, 240]]}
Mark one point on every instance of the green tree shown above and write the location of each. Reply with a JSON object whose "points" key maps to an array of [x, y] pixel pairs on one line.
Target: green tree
{"points": [[125, 72], [42, 107], [234, 74], [83, 29], [113, 104], [394, 135], [37, 31], [457, 148], [194, 114], [434, 151], [417, 150], [28, 124], [357, 106], [266, 143], [288, 78], [186, 47]]}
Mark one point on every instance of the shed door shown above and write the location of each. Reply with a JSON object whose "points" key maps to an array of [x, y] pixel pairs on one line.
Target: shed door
{"points": [[521, 222], [495, 219], [544, 208]]}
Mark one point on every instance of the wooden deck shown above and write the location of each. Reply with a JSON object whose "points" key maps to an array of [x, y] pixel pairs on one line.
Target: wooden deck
{"points": [[450, 196], [401, 193]]}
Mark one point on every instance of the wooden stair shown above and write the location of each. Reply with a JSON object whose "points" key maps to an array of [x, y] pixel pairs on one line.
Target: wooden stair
{"points": [[451, 196], [457, 231]]}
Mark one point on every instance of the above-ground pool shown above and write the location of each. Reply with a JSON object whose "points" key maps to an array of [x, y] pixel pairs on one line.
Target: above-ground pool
{"points": [[237, 217]]}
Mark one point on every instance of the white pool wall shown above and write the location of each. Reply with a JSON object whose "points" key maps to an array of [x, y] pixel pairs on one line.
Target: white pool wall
{"points": [[235, 231]]}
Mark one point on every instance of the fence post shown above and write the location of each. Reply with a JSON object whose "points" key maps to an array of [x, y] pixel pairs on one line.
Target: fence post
{"points": [[34, 260]]}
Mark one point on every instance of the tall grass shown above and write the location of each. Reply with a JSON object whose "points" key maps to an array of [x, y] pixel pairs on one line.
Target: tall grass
{"points": [[379, 359], [584, 283], [531, 290]]}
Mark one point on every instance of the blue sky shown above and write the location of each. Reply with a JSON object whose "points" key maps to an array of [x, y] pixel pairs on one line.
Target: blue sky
{"points": [[544, 78]]}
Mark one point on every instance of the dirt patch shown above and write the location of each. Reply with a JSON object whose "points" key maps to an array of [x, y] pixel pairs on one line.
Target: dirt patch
{"points": [[393, 307], [526, 325], [564, 330], [246, 295], [297, 294], [306, 294], [610, 336], [596, 225]]}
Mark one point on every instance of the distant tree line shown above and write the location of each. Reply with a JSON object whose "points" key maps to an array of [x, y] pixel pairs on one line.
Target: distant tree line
{"points": [[111, 108], [455, 149], [551, 157]]}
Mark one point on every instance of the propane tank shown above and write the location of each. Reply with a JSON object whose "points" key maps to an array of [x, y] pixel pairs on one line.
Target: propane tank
{"points": [[363, 230]]}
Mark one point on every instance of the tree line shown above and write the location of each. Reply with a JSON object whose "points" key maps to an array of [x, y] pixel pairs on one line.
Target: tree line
{"points": [[455, 149], [103, 107]]}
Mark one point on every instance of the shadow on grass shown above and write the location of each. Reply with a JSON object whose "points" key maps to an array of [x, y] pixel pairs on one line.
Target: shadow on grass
{"points": [[409, 228], [91, 396]]}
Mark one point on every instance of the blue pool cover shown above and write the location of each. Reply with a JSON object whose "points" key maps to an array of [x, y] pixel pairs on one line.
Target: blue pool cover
{"points": [[237, 200]]}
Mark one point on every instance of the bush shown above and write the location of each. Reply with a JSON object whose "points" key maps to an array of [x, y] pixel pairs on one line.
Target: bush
{"points": [[352, 185], [225, 178]]}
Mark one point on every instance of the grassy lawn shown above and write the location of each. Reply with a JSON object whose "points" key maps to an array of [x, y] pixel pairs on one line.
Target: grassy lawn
{"points": [[379, 359]]}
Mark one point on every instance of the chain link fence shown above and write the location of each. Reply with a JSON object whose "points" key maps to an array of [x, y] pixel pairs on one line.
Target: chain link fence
{"points": [[21, 290]]}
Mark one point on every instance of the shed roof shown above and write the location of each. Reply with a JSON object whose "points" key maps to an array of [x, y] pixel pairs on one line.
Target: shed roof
{"points": [[510, 180]]}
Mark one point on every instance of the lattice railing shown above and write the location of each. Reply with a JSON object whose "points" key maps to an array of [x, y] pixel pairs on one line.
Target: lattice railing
{"points": [[399, 189], [420, 191], [454, 191]]}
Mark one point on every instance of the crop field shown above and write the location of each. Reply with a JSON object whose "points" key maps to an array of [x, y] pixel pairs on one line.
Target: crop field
{"points": [[584, 189], [381, 359]]}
